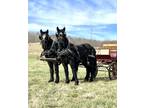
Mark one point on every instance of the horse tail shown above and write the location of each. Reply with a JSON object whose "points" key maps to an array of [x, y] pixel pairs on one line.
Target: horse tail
{"points": [[94, 61]]}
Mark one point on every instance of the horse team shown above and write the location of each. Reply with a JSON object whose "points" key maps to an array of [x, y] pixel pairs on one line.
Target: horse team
{"points": [[68, 53]]}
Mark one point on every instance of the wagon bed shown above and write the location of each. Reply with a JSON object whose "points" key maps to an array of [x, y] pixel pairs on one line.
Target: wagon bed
{"points": [[107, 58]]}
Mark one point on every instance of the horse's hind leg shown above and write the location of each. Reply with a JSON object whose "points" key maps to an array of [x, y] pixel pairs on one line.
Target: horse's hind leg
{"points": [[87, 74], [51, 71], [91, 67], [91, 75], [93, 72], [57, 73]]}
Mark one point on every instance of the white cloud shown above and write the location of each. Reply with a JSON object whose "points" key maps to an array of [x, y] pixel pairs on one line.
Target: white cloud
{"points": [[104, 18], [64, 13], [48, 14], [37, 27]]}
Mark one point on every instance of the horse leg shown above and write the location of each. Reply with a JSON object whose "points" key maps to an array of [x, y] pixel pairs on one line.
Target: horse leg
{"points": [[73, 78], [66, 72], [57, 73], [93, 69], [51, 71], [74, 67], [91, 74], [87, 74]]}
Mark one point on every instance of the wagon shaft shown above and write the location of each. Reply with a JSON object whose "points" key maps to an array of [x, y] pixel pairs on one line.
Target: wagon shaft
{"points": [[49, 59]]}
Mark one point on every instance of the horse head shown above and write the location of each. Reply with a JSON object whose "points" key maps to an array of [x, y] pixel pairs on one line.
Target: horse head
{"points": [[61, 38], [45, 39]]}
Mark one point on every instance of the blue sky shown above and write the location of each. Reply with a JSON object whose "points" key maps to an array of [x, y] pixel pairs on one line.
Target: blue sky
{"points": [[91, 19]]}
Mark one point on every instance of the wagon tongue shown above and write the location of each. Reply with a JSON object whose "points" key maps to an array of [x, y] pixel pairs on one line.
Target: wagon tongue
{"points": [[48, 59]]}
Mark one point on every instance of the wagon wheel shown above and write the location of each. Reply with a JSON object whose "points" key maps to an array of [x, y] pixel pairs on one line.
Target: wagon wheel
{"points": [[112, 70]]}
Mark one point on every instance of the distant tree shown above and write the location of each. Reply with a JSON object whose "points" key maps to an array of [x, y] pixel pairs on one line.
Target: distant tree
{"points": [[33, 38]]}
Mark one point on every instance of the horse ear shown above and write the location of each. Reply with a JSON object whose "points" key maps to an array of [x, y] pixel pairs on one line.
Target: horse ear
{"points": [[40, 37], [40, 30], [64, 29], [57, 29], [47, 31]]}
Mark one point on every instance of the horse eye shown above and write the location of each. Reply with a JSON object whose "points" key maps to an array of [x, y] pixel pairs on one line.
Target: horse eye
{"points": [[40, 37]]}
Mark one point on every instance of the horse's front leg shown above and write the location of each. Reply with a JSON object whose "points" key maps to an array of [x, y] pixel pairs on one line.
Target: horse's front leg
{"points": [[65, 65], [74, 67], [73, 79], [51, 71], [57, 73]]}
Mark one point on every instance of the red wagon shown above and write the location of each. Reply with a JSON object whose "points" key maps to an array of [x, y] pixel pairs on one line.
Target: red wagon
{"points": [[107, 58]]}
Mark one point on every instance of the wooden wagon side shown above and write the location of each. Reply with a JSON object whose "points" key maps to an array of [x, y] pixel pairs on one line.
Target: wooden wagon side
{"points": [[107, 58]]}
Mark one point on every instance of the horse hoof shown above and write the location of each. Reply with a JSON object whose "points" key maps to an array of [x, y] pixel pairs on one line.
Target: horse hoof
{"points": [[76, 83], [90, 80], [57, 81], [67, 81], [51, 80], [72, 80], [85, 80]]}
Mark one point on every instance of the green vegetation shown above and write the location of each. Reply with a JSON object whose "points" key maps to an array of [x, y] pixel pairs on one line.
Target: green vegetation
{"points": [[98, 94]]}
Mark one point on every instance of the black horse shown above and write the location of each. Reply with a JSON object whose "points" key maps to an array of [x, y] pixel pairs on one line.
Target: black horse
{"points": [[76, 54], [50, 50], [47, 44]]}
